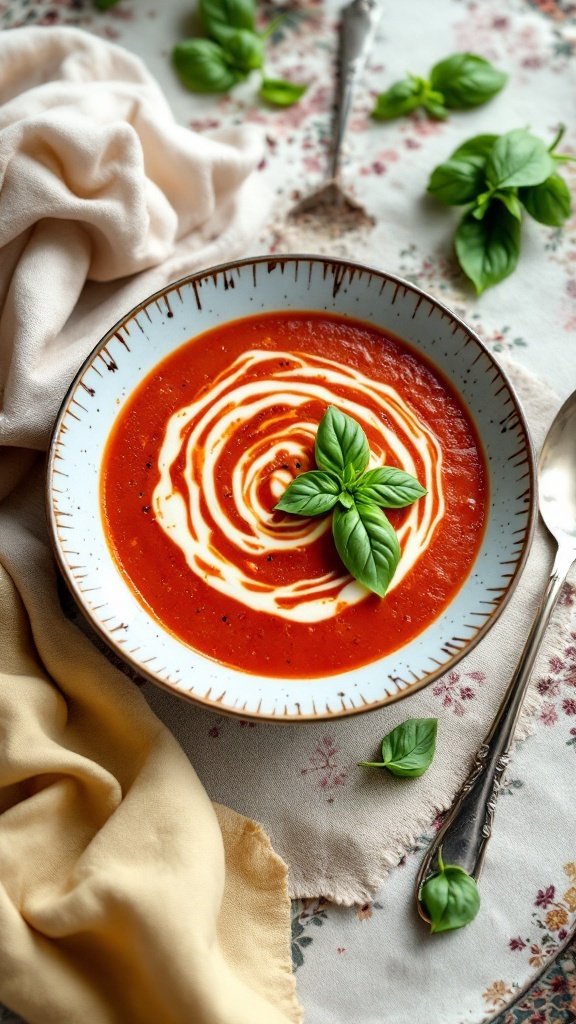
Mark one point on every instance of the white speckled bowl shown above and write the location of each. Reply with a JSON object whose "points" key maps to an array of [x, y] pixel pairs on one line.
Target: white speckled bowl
{"points": [[168, 319]]}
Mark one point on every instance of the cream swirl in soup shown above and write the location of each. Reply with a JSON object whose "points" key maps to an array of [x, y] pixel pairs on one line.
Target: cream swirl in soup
{"points": [[259, 408]]}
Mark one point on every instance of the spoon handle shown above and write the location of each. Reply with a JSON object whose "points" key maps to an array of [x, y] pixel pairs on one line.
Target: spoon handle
{"points": [[359, 20], [468, 826]]}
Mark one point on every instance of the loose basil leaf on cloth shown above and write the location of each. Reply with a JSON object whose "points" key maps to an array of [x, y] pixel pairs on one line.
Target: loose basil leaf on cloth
{"points": [[310, 494], [476, 149], [244, 50], [466, 80], [219, 16], [488, 249], [202, 66], [459, 82], [341, 442], [433, 105], [388, 487], [408, 751], [451, 898], [511, 202], [367, 544], [400, 99], [518, 158], [549, 203], [281, 93], [457, 181]]}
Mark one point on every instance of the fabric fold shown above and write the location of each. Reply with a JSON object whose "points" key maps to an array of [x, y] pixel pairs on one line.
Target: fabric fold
{"points": [[124, 894]]}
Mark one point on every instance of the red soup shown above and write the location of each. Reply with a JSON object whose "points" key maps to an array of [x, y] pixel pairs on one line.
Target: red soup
{"points": [[204, 448]]}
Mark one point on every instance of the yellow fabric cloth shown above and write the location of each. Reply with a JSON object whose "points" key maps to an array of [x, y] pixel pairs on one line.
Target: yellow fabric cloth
{"points": [[119, 902], [125, 896]]}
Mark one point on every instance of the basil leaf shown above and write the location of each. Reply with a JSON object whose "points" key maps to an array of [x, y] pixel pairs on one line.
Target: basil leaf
{"points": [[408, 751], [466, 80], [488, 250], [203, 67], [310, 494], [244, 50], [401, 98], [340, 442], [220, 16], [476, 149], [518, 158], [481, 206], [451, 898], [281, 93], [550, 202], [346, 499], [388, 487], [105, 5], [457, 181], [510, 199], [434, 106], [367, 544]]}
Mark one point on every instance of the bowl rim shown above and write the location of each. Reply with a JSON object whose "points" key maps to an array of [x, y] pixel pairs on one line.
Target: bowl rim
{"points": [[215, 704]]}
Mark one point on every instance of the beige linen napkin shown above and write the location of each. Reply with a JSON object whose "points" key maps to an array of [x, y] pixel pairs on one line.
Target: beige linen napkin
{"points": [[125, 896]]}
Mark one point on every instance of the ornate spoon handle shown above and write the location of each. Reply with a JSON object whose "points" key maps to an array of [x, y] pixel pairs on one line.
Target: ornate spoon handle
{"points": [[468, 827], [359, 20]]}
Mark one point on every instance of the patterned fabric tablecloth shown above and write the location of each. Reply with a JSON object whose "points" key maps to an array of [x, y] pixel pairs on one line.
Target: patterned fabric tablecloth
{"points": [[532, 317]]}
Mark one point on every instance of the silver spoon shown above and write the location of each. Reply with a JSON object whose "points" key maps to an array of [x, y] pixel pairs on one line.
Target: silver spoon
{"points": [[359, 20], [468, 826]]}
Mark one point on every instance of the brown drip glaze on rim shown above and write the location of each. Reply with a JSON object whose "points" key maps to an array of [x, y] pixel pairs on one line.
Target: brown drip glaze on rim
{"points": [[339, 268]]}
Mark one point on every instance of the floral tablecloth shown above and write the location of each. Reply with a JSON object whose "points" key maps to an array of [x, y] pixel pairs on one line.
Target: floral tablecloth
{"points": [[532, 317]]}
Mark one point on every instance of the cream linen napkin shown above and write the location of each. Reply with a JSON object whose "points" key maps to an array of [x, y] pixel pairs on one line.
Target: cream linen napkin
{"points": [[125, 896]]}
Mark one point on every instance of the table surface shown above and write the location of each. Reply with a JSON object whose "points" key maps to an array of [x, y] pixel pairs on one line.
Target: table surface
{"points": [[532, 316]]}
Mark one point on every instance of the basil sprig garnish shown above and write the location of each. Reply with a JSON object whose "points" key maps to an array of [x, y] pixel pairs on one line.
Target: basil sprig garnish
{"points": [[451, 897], [365, 539], [499, 176], [232, 51], [459, 82], [408, 751]]}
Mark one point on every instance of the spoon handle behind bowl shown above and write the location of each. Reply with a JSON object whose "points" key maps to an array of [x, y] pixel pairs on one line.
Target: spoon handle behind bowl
{"points": [[468, 826], [359, 20]]}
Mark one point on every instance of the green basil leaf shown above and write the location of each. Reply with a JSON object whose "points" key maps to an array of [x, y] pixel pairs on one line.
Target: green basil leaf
{"points": [[457, 181], [401, 98], [244, 50], [550, 202], [346, 499], [518, 158], [367, 544], [488, 250], [105, 5], [388, 487], [203, 67], [310, 494], [481, 206], [466, 80], [476, 149], [340, 442], [220, 16], [409, 749], [510, 199], [281, 93], [434, 106], [451, 898]]}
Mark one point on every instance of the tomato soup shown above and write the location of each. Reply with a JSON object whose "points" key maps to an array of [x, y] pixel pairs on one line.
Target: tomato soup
{"points": [[207, 444]]}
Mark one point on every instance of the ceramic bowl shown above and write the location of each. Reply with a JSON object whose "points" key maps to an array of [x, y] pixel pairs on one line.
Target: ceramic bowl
{"points": [[166, 320]]}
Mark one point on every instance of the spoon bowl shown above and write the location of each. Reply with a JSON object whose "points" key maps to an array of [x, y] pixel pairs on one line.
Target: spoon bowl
{"points": [[557, 476]]}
